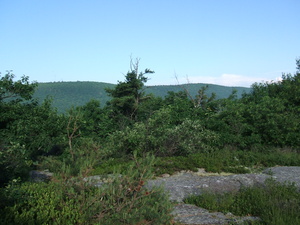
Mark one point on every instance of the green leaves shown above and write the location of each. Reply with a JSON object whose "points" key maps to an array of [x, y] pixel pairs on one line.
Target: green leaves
{"points": [[15, 90], [14, 162], [71, 200], [27, 129], [163, 137], [128, 95]]}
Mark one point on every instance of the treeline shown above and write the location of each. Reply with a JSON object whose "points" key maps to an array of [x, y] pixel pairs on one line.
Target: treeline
{"points": [[132, 124], [68, 94]]}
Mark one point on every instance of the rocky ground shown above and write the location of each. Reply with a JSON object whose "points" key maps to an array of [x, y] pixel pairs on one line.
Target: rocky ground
{"points": [[183, 184]]}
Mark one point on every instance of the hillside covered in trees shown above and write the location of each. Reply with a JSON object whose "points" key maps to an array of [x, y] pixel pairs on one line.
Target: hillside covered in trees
{"points": [[67, 94], [134, 135]]}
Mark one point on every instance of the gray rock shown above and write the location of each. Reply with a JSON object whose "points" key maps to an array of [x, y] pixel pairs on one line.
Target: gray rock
{"points": [[40, 176], [182, 185], [285, 174], [96, 181], [100, 180], [190, 214]]}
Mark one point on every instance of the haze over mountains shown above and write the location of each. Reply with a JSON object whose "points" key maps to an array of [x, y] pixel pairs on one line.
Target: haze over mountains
{"points": [[68, 94]]}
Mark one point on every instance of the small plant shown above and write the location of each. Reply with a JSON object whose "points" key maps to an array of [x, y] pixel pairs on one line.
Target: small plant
{"points": [[127, 201]]}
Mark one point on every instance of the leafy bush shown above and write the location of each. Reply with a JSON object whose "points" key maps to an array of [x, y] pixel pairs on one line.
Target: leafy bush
{"points": [[14, 162], [126, 201], [72, 201], [86, 154], [36, 127], [163, 138], [41, 203]]}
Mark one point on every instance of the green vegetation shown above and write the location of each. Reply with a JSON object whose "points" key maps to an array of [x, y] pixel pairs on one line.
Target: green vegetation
{"points": [[67, 94], [227, 160], [70, 200], [274, 203], [134, 135]]}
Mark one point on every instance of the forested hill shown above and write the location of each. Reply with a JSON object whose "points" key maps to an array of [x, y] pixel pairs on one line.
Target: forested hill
{"points": [[67, 94]]}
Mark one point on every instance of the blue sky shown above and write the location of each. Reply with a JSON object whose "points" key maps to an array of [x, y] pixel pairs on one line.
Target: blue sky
{"points": [[226, 42]]}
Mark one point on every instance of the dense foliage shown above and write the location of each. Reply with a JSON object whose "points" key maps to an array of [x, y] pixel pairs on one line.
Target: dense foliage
{"points": [[132, 134], [70, 200]]}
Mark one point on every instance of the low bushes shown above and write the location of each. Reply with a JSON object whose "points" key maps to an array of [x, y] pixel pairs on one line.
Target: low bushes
{"points": [[223, 160], [163, 138], [70, 200], [274, 203]]}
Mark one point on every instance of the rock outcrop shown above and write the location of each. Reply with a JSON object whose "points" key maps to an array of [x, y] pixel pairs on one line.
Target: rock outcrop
{"points": [[40, 176], [185, 183], [181, 185]]}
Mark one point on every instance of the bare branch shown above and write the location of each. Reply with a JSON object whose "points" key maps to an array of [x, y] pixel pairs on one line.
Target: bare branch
{"points": [[134, 65], [72, 128], [186, 90]]}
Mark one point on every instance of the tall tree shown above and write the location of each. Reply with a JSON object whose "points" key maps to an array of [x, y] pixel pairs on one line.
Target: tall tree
{"points": [[14, 160], [127, 95], [12, 93]]}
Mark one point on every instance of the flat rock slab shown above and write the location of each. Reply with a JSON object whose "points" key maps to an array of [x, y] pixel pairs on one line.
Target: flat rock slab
{"points": [[285, 174], [184, 184], [191, 214]]}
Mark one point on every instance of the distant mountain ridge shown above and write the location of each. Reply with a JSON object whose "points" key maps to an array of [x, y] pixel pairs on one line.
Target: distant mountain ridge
{"points": [[68, 94]]}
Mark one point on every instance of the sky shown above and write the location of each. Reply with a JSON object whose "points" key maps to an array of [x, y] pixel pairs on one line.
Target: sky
{"points": [[225, 42]]}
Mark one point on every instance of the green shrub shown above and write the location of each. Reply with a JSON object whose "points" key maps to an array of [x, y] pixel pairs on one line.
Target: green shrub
{"points": [[110, 165], [14, 162], [70, 200], [228, 160], [277, 156], [125, 201], [86, 154], [39, 203], [163, 139], [174, 164]]}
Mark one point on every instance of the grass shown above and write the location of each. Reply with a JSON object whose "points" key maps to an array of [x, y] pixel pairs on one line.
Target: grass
{"points": [[112, 165], [274, 203]]}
